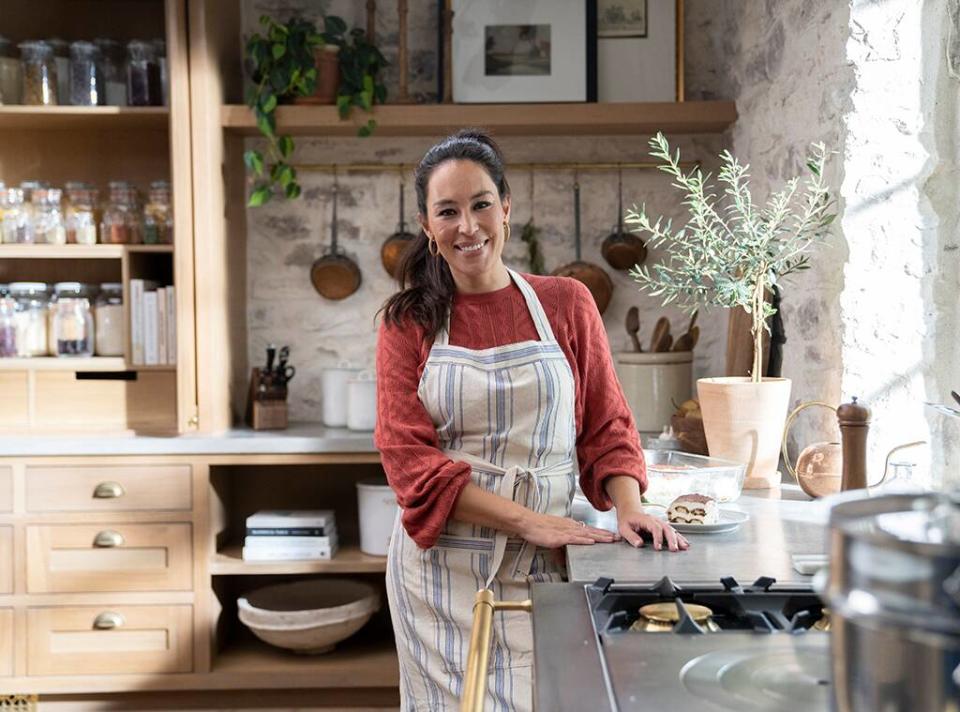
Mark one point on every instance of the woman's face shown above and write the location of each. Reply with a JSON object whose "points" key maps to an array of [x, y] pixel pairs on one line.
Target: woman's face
{"points": [[465, 217]]}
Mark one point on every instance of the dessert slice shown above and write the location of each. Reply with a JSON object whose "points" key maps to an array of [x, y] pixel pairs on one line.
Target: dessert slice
{"points": [[693, 509]]}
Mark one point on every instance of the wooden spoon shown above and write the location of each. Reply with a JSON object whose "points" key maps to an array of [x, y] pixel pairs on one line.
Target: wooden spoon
{"points": [[660, 331], [633, 326], [688, 340]]}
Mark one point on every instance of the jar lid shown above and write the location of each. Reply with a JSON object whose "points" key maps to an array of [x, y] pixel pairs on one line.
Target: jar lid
{"points": [[28, 287], [66, 287], [111, 286], [36, 47], [83, 47], [60, 47]]}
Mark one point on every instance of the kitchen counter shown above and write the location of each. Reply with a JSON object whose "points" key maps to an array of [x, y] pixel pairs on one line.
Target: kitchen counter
{"points": [[781, 523], [299, 438]]}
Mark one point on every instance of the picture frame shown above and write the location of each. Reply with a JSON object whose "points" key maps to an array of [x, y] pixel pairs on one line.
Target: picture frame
{"points": [[634, 66], [524, 51]]}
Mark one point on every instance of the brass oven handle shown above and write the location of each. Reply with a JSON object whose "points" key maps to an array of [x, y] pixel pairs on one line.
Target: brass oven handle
{"points": [[108, 620], [478, 654], [108, 490], [108, 538]]}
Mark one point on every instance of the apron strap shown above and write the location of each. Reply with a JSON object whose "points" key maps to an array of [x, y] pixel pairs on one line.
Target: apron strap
{"points": [[508, 482], [539, 316]]}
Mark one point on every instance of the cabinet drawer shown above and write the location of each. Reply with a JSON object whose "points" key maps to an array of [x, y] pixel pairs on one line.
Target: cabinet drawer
{"points": [[89, 640], [6, 488], [6, 642], [116, 557], [6, 559], [70, 488]]}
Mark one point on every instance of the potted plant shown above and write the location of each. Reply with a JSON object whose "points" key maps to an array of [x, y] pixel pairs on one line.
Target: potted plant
{"points": [[283, 63], [730, 252]]}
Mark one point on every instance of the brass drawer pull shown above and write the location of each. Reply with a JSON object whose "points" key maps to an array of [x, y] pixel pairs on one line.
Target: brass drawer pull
{"points": [[108, 538], [108, 490], [108, 621]]}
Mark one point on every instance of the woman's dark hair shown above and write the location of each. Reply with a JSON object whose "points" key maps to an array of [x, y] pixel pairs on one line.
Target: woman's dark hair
{"points": [[426, 285]]}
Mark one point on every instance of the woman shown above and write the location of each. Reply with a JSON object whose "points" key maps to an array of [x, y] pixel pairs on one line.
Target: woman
{"points": [[492, 387]]}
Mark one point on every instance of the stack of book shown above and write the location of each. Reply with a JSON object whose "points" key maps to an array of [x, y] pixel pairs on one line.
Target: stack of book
{"points": [[290, 535], [153, 323]]}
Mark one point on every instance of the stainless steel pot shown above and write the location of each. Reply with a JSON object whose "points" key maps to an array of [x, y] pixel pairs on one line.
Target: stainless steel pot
{"points": [[894, 594]]}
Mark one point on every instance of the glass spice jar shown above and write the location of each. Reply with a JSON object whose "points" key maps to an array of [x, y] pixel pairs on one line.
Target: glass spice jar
{"points": [[121, 223], [86, 80], [72, 324], [8, 326], [160, 51], [108, 320], [39, 73], [143, 75], [81, 214], [31, 317], [61, 57], [15, 226], [158, 215], [113, 71], [48, 227], [11, 73]]}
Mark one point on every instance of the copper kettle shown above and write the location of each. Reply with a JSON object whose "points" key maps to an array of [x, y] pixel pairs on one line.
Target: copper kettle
{"points": [[826, 468]]}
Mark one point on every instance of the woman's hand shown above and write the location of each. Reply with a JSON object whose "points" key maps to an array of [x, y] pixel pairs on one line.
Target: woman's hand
{"points": [[551, 532], [632, 523]]}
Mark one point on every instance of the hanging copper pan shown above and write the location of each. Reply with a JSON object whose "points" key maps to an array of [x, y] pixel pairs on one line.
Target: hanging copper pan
{"points": [[596, 280], [622, 250], [335, 276], [393, 246]]}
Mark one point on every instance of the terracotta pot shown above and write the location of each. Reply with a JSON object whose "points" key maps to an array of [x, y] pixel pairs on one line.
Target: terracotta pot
{"points": [[327, 62], [744, 422]]}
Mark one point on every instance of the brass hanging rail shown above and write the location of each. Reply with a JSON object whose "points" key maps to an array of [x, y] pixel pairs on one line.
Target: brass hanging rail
{"points": [[560, 166]]}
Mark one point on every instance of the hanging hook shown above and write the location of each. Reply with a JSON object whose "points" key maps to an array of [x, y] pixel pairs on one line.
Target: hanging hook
{"points": [[533, 193]]}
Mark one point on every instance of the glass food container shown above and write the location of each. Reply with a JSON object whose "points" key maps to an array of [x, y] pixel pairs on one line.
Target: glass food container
{"points": [[8, 325], [113, 71], [39, 73], [86, 80], [15, 226], [31, 317], [143, 75], [82, 215], [121, 223], [61, 56], [72, 323], [48, 227], [108, 319], [671, 473], [160, 50], [158, 215], [11, 73]]}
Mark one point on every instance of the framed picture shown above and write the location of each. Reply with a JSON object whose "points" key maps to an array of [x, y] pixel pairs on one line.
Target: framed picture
{"points": [[512, 51], [640, 50]]}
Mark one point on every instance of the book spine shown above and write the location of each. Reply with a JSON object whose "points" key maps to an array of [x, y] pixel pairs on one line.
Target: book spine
{"points": [[162, 326], [171, 335], [150, 352], [289, 542], [136, 320], [262, 554], [288, 531]]}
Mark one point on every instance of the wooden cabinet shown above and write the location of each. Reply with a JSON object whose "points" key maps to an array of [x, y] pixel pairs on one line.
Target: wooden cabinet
{"points": [[6, 488], [6, 559], [110, 557], [110, 640], [6, 642], [96, 488]]}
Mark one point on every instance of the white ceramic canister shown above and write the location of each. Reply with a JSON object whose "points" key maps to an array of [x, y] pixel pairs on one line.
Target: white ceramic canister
{"points": [[655, 384], [362, 401], [377, 506], [333, 383]]}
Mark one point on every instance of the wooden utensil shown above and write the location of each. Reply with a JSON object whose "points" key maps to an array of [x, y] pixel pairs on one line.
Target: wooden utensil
{"points": [[596, 280], [688, 340], [660, 331], [622, 250], [335, 276], [633, 326]]}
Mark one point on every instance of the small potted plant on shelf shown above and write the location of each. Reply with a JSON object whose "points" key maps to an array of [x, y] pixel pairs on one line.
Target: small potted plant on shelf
{"points": [[291, 61], [730, 253]]}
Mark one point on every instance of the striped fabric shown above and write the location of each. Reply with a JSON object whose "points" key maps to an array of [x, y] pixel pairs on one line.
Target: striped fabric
{"points": [[509, 412]]}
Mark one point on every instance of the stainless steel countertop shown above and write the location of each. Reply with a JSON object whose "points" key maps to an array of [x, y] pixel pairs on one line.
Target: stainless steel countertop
{"points": [[308, 438], [782, 522]]}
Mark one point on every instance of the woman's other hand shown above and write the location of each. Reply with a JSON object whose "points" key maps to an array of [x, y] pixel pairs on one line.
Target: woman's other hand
{"points": [[632, 523], [551, 532]]}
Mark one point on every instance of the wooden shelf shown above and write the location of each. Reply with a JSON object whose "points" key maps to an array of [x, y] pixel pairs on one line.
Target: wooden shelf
{"points": [[361, 661], [349, 559], [96, 363], [83, 117], [75, 252], [502, 119]]}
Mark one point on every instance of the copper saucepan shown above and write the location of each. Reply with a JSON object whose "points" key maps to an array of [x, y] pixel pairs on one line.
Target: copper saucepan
{"points": [[596, 280], [393, 246], [335, 276], [622, 250]]}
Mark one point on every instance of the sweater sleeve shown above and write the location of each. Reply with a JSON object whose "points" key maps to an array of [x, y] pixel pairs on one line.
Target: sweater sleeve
{"points": [[426, 482], [608, 443]]}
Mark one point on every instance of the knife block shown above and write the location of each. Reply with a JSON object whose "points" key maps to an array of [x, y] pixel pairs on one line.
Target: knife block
{"points": [[266, 404]]}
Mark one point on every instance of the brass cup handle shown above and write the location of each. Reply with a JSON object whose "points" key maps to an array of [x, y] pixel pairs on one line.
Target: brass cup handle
{"points": [[786, 431], [108, 490], [108, 538], [108, 620]]}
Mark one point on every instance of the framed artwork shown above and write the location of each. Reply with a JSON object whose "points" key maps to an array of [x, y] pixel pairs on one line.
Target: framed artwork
{"points": [[512, 51], [640, 50]]}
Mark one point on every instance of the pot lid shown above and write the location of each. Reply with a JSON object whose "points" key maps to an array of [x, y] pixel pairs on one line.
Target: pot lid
{"points": [[667, 612], [929, 520]]}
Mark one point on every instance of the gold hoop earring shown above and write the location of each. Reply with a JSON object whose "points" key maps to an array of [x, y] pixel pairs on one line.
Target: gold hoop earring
{"points": [[432, 247], [506, 231]]}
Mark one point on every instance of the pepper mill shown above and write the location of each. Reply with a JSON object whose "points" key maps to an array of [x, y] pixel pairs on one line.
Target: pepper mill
{"points": [[854, 420]]}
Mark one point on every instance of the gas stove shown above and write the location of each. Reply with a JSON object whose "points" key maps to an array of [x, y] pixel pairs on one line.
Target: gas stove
{"points": [[724, 646]]}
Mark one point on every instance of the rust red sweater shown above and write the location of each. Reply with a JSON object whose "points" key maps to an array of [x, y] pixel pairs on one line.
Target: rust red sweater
{"points": [[427, 483]]}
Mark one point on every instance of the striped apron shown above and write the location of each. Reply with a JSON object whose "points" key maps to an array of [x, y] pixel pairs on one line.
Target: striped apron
{"points": [[509, 412]]}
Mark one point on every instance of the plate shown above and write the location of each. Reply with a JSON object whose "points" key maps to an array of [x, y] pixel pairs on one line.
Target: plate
{"points": [[730, 520]]}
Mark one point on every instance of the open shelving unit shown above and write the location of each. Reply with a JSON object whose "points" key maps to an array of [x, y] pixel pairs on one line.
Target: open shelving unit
{"points": [[348, 560]]}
